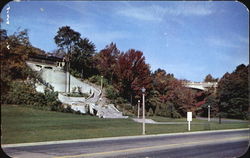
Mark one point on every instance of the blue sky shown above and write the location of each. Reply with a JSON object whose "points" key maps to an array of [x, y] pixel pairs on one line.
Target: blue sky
{"points": [[188, 39]]}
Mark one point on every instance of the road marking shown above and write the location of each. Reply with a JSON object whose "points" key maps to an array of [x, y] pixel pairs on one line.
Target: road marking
{"points": [[153, 147]]}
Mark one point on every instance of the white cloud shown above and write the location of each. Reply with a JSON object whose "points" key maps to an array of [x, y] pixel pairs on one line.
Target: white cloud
{"points": [[143, 13], [157, 12], [192, 8], [220, 42]]}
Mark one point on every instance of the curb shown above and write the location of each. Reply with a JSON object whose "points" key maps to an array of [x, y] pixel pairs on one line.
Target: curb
{"points": [[115, 138]]}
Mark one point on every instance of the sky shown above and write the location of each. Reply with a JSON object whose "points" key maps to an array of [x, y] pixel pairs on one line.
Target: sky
{"points": [[188, 39]]}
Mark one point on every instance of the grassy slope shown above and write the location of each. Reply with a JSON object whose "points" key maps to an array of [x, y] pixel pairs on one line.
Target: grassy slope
{"points": [[21, 124]]}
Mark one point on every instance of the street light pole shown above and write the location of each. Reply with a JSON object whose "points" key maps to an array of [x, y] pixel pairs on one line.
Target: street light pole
{"points": [[138, 109], [101, 82], [69, 76], [67, 73], [208, 113], [143, 110]]}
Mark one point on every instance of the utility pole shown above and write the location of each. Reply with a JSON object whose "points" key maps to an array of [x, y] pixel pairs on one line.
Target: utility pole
{"points": [[208, 115], [101, 82], [69, 75], [143, 110]]}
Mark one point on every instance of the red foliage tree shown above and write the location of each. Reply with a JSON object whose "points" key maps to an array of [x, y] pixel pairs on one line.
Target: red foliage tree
{"points": [[132, 74], [106, 61], [181, 97]]}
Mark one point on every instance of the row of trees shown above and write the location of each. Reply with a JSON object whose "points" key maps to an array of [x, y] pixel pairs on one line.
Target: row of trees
{"points": [[125, 73]]}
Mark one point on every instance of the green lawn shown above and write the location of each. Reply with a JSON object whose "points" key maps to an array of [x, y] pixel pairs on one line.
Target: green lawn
{"points": [[22, 124], [167, 119]]}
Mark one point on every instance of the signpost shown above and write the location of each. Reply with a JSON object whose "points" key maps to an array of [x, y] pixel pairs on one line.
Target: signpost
{"points": [[189, 119], [138, 109]]}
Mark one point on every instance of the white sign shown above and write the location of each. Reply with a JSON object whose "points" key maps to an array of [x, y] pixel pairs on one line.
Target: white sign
{"points": [[189, 116]]}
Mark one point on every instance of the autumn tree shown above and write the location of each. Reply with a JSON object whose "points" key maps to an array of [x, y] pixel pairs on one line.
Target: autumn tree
{"points": [[181, 98], [14, 50], [106, 61], [132, 74]]}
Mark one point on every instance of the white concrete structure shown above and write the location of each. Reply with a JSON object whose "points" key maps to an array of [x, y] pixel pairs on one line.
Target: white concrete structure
{"points": [[58, 79]]}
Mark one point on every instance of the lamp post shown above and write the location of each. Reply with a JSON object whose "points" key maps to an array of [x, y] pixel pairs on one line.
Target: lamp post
{"points": [[143, 110], [101, 82], [208, 115], [67, 59], [138, 109]]}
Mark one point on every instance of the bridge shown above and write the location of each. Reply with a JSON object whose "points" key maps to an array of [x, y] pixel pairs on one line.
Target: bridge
{"points": [[200, 85]]}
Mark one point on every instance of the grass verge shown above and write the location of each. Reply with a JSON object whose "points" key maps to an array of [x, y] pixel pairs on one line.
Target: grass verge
{"points": [[22, 124]]}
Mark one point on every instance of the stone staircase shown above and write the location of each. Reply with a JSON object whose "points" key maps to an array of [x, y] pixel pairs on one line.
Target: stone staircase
{"points": [[109, 111]]}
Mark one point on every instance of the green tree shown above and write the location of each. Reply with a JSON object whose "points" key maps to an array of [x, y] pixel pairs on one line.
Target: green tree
{"points": [[233, 93], [66, 39], [82, 57], [209, 78]]}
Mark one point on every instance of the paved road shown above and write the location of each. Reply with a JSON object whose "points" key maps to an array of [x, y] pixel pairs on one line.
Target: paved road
{"points": [[201, 144]]}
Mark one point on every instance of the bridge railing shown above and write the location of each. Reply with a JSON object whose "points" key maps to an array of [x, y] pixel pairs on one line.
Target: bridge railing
{"points": [[203, 84]]}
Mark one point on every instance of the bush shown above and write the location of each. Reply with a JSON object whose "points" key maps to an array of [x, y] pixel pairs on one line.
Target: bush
{"points": [[111, 92], [75, 73], [96, 79], [22, 93], [19, 93], [85, 95], [68, 110]]}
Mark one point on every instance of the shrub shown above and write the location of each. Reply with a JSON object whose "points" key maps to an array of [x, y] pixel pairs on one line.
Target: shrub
{"points": [[150, 112], [19, 93], [23, 93], [111, 92], [96, 79]]}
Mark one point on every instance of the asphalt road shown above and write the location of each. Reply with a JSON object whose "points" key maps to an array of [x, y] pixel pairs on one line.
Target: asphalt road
{"points": [[201, 145]]}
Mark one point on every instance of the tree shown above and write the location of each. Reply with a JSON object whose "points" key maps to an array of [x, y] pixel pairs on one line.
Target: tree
{"points": [[233, 93], [66, 39], [106, 61], [212, 101], [181, 97], [82, 57], [132, 74], [209, 78], [14, 50], [161, 80], [78, 51]]}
